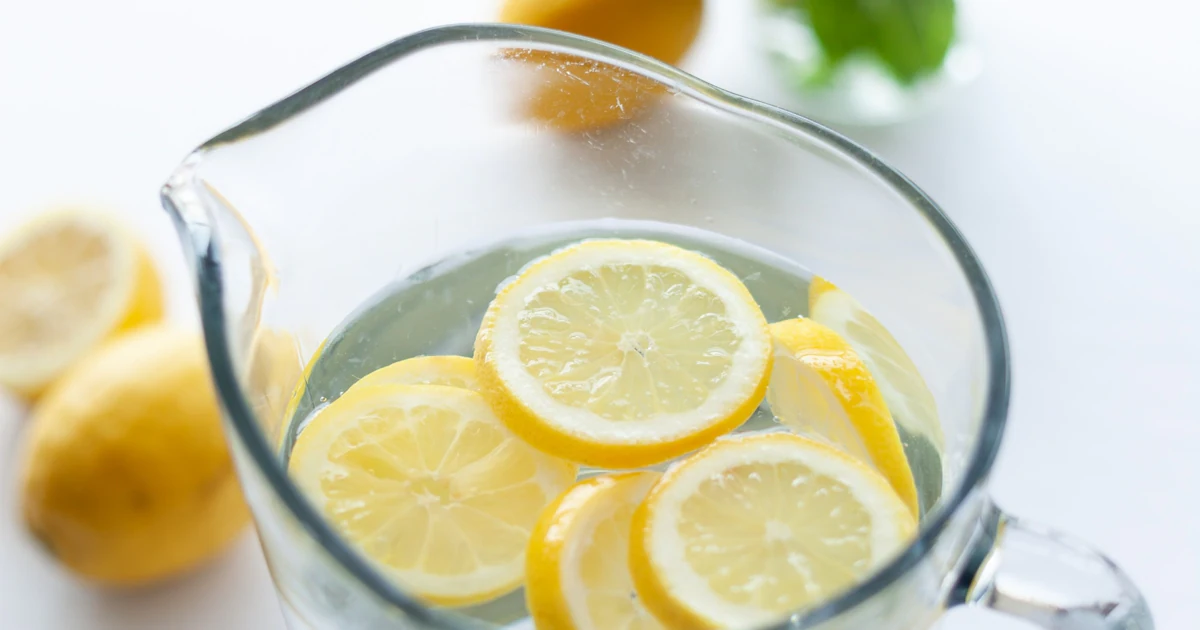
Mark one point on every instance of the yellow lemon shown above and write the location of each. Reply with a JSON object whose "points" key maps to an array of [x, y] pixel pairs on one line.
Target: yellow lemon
{"points": [[574, 93], [577, 568], [623, 353], [663, 29], [70, 280], [450, 371], [820, 386], [908, 398], [428, 483], [760, 525], [126, 477]]}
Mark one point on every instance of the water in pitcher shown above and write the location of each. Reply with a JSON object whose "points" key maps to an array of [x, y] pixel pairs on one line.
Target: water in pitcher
{"points": [[617, 424]]}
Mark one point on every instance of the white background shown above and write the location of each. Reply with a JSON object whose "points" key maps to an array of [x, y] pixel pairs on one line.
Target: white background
{"points": [[1069, 165]]}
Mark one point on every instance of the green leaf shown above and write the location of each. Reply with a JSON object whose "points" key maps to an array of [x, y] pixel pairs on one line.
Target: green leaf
{"points": [[910, 37], [841, 27]]}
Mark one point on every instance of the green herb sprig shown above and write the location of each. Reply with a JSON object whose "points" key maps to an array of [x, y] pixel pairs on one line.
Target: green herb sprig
{"points": [[910, 37]]}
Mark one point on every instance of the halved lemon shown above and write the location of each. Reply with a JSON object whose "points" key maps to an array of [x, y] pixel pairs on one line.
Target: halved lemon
{"points": [[757, 526], [623, 353], [430, 485], [450, 371], [577, 568], [821, 387], [69, 280]]}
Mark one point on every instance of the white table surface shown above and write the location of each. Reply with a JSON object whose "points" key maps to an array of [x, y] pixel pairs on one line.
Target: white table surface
{"points": [[1068, 165]]}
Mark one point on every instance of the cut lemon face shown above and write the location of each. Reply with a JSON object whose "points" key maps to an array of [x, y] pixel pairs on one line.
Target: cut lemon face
{"points": [[821, 387], [577, 567], [900, 383], [430, 485], [623, 353], [450, 371], [757, 526], [70, 280]]}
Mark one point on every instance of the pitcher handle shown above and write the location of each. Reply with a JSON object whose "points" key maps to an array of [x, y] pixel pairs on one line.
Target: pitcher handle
{"points": [[1053, 580]]}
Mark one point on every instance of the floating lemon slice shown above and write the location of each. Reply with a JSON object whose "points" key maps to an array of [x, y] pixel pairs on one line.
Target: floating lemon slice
{"points": [[623, 353], [69, 280], [577, 568], [820, 386], [755, 527], [430, 485], [450, 371]]}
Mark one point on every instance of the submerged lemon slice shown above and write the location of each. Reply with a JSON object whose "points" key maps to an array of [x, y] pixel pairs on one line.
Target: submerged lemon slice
{"points": [[577, 567], [757, 526], [821, 387], [450, 371], [623, 353], [908, 398], [69, 280], [899, 380], [430, 485]]}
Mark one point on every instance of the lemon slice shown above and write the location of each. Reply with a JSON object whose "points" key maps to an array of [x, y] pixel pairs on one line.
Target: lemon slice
{"points": [[623, 353], [450, 371], [904, 390], [899, 380], [821, 387], [577, 568], [760, 525], [430, 485], [69, 280]]}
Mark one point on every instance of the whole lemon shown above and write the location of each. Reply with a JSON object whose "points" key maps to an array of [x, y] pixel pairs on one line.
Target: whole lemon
{"points": [[126, 477], [663, 29], [574, 93]]}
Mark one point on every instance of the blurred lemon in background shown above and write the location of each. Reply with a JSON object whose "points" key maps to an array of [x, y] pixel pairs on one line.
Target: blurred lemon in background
{"points": [[573, 93], [70, 279], [126, 477], [663, 29]]}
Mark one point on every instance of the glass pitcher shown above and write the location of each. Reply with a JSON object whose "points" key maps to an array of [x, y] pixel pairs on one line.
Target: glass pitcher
{"points": [[427, 146]]}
